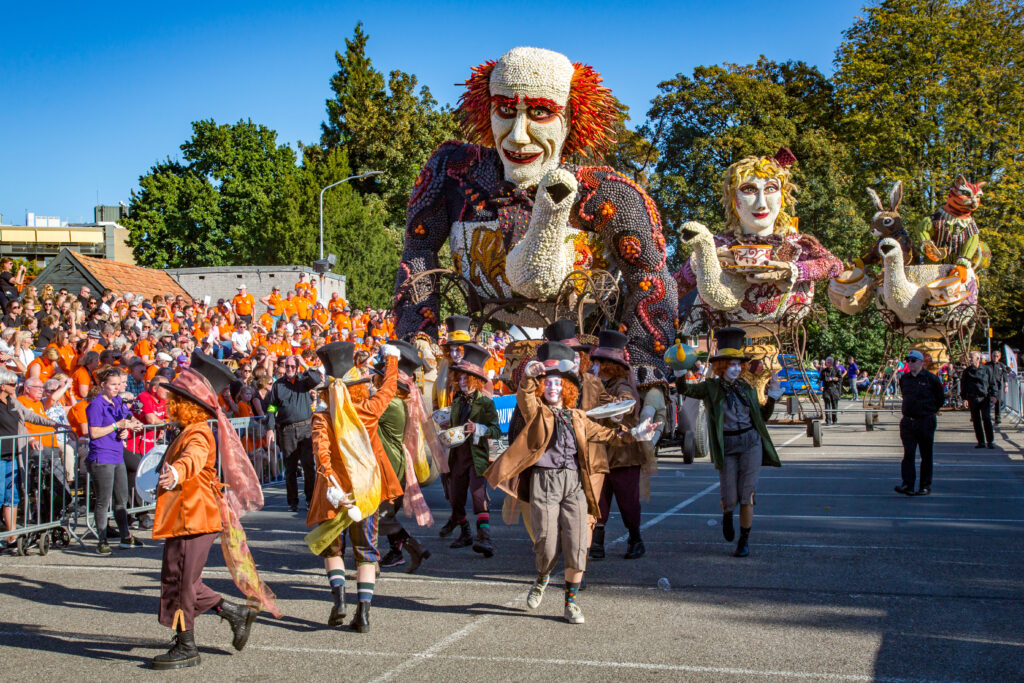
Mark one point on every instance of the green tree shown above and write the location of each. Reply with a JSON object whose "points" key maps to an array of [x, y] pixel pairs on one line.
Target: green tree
{"points": [[388, 126], [216, 206], [930, 89]]}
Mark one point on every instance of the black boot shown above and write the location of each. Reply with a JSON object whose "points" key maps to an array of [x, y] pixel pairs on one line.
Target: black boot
{"points": [[241, 619], [337, 617], [465, 539], [361, 619], [448, 528], [394, 556], [417, 553], [482, 544], [183, 653], [727, 528], [635, 547], [741, 546], [597, 544]]}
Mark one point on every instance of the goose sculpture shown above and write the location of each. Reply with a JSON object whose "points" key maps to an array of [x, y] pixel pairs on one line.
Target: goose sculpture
{"points": [[905, 289]]}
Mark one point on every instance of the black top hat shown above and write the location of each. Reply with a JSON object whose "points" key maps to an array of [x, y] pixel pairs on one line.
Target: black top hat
{"points": [[473, 360], [611, 346], [564, 331], [458, 329], [730, 344], [409, 362], [339, 361], [216, 373], [559, 359]]}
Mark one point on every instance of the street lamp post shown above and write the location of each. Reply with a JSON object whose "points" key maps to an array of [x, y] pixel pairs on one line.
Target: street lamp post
{"points": [[351, 177]]}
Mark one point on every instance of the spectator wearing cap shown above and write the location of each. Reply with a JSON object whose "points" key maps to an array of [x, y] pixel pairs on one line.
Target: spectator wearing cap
{"points": [[243, 304], [923, 397], [289, 418]]}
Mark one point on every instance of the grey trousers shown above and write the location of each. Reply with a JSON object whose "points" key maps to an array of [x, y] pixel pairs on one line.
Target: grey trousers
{"points": [[558, 512], [740, 470]]}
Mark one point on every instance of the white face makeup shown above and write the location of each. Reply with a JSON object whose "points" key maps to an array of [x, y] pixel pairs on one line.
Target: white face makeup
{"points": [[553, 390], [529, 133], [734, 370], [456, 353], [464, 384], [758, 202]]}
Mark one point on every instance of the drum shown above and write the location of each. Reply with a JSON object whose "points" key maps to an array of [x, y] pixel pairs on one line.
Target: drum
{"points": [[148, 474]]}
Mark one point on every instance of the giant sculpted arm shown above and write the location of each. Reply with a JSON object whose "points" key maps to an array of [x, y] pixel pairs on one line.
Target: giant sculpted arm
{"points": [[427, 225], [628, 223]]}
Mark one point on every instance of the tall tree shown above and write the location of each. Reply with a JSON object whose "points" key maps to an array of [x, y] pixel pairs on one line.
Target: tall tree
{"points": [[388, 126], [216, 206], [931, 89]]}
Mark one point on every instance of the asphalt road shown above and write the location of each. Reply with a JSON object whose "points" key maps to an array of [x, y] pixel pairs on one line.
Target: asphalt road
{"points": [[846, 580]]}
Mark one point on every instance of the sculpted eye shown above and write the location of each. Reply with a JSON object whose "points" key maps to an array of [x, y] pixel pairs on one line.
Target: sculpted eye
{"points": [[887, 222], [541, 113], [505, 111], [748, 188], [771, 187]]}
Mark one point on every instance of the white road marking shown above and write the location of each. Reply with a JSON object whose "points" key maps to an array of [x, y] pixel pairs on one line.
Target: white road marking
{"points": [[838, 517], [669, 513]]}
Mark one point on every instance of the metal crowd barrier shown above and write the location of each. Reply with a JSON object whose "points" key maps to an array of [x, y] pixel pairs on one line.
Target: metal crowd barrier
{"points": [[1013, 400], [53, 508]]}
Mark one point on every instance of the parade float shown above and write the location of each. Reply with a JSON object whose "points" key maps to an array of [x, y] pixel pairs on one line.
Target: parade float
{"points": [[759, 274], [924, 285], [534, 238]]}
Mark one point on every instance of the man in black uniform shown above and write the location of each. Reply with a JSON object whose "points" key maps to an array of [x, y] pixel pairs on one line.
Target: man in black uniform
{"points": [[831, 389], [999, 372], [978, 392], [289, 415], [922, 399]]}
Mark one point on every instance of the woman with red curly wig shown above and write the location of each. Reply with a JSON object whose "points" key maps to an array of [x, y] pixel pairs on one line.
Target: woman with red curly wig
{"points": [[549, 466]]}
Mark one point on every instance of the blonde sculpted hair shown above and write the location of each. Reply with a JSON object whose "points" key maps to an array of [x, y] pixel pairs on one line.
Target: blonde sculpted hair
{"points": [[758, 167]]}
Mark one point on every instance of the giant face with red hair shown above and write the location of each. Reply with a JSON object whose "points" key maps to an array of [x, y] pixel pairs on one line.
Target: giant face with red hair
{"points": [[519, 217]]}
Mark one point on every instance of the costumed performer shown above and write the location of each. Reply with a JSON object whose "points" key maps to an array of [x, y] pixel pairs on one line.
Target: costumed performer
{"points": [[399, 430], [474, 410], [191, 510], [549, 466], [618, 471], [740, 443], [351, 464]]}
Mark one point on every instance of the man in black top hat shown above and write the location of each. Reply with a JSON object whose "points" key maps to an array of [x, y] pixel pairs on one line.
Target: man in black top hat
{"points": [[391, 430], [458, 335], [289, 411]]}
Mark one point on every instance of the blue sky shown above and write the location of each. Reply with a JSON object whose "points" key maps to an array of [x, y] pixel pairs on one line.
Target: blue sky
{"points": [[93, 94]]}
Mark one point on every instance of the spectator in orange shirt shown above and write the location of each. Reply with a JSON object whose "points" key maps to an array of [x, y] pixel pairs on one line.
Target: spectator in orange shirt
{"points": [[44, 367], [144, 348], [320, 317], [336, 304], [303, 306], [275, 303], [85, 376], [303, 285], [266, 321], [243, 304], [66, 351], [290, 306]]}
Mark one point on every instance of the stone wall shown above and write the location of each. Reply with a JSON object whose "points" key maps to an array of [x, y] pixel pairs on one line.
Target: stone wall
{"points": [[222, 282]]}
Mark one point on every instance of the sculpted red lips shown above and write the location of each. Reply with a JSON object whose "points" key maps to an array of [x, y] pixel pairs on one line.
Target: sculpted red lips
{"points": [[517, 158], [760, 214]]}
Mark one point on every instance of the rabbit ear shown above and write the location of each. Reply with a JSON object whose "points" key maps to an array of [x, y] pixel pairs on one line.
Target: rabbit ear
{"points": [[876, 200], [896, 195]]}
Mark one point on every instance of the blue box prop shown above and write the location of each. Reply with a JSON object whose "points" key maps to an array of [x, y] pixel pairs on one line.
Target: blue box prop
{"points": [[505, 406]]}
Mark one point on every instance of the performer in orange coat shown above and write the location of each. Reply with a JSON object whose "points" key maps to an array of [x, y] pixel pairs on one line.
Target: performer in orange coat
{"points": [[190, 512], [335, 483]]}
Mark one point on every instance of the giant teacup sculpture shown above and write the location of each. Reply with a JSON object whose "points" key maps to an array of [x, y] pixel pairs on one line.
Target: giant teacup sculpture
{"points": [[760, 273], [534, 238]]}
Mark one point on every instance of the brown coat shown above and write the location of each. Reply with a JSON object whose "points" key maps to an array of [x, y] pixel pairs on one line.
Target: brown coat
{"points": [[613, 457], [191, 506], [506, 472]]}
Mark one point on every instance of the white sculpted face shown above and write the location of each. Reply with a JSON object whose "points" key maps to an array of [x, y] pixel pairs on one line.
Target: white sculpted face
{"points": [[529, 118], [553, 390], [758, 203]]}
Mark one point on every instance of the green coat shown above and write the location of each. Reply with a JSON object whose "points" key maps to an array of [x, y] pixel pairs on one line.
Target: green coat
{"points": [[713, 395], [482, 412], [391, 430]]}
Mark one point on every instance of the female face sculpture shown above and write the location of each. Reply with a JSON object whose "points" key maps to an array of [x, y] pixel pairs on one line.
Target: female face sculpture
{"points": [[529, 90], [758, 202]]}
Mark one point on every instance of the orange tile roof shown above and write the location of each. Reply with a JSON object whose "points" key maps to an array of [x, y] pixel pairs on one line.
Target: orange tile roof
{"points": [[122, 277]]}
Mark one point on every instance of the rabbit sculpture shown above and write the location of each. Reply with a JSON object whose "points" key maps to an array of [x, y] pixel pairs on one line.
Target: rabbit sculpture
{"points": [[887, 223]]}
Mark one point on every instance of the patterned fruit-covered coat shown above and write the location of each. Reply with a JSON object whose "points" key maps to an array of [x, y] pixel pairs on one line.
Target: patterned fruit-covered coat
{"points": [[464, 184]]}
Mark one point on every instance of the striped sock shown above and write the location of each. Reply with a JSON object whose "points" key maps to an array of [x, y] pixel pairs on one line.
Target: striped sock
{"points": [[571, 589], [336, 577], [365, 591], [483, 521]]}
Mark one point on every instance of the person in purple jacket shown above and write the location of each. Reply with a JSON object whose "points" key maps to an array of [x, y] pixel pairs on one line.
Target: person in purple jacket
{"points": [[109, 421]]}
